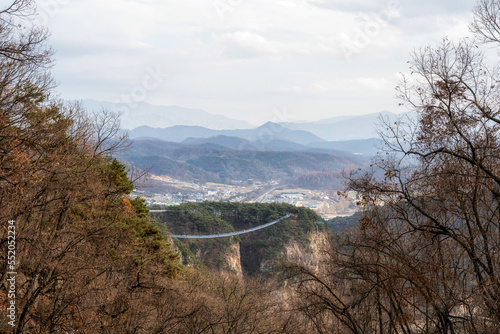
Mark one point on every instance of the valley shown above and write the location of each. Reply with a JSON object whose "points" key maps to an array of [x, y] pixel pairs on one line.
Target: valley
{"points": [[267, 164], [326, 203], [281, 209]]}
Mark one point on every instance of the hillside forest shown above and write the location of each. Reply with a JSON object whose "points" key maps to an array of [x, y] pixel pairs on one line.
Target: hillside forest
{"points": [[79, 255]]}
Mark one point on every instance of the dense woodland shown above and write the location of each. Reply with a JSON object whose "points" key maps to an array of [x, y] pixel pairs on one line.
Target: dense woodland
{"points": [[424, 256]]}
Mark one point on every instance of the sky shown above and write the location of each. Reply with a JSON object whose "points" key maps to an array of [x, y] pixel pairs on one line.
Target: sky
{"points": [[254, 60]]}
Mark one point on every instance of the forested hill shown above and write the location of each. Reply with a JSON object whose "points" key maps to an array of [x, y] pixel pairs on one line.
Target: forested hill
{"points": [[259, 250], [214, 163]]}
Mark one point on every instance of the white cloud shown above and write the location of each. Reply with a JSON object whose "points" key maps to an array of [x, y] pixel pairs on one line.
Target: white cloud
{"points": [[245, 44], [374, 83], [260, 55]]}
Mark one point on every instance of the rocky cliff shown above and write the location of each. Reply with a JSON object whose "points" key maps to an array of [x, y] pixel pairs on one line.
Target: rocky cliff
{"points": [[253, 254]]}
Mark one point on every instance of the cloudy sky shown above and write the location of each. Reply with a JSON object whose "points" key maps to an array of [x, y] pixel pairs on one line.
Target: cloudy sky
{"points": [[257, 60]]}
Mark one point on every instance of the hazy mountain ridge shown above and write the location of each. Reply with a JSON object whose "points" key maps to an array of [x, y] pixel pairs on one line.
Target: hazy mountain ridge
{"points": [[271, 151], [267, 132], [145, 114], [214, 163], [350, 148], [318, 134], [343, 127], [366, 147], [175, 123]]}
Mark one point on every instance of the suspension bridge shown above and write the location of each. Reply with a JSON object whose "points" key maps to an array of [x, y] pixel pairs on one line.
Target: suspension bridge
{"points": [[222, 235]]}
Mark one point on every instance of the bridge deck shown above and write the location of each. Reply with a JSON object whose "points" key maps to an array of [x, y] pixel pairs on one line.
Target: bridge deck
{"points": [[180, 236]]}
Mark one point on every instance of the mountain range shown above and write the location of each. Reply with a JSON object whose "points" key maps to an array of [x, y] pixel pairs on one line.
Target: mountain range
{"points": [[268, 137], [209, 162], [193, 145], [143, 117], [350, 148], [342, 128], [264, 133]]}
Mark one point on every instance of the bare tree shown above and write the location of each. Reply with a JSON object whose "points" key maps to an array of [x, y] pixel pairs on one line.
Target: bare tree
{"points": [[441, 181], [425, 257], [486, 22]]}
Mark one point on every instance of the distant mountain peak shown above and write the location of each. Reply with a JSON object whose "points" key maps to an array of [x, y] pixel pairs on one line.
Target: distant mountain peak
{"points": [[265, 133], [271, 125]]}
